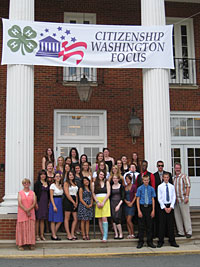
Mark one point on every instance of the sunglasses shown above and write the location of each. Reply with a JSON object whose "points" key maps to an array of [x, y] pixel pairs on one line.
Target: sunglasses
{"points": [[160, 165]]}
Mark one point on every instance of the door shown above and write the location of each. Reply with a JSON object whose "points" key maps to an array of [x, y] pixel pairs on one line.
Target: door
{"points": [[189, 157], [84, 129], [90, 150]]}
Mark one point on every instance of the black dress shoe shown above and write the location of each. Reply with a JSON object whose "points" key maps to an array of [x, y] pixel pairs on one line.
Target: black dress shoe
{"points": [[151, 245], [160, 244], [55, 239], [140, 245], [178, 235], [174, 244], [188, 236]]}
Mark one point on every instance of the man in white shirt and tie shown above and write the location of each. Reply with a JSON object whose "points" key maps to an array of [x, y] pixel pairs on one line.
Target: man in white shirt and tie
{"points": [[166, 199]]}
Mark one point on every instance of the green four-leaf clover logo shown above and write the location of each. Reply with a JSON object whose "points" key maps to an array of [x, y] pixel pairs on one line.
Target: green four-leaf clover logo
{"points": [[22, 40]]}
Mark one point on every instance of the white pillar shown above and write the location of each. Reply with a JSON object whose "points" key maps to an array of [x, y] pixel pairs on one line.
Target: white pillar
{"points": [[157, 138], [19, 118]]}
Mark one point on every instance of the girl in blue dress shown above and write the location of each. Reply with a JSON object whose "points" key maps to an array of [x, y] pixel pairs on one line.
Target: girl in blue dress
{"points": [[85, 207], [55, 207]]}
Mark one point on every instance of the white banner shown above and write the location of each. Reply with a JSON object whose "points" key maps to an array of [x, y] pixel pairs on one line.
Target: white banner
{"points": [[87, 45]]}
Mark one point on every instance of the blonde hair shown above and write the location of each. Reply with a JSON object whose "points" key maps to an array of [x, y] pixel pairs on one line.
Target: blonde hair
{"points": [[118, 174], [26, 180]]}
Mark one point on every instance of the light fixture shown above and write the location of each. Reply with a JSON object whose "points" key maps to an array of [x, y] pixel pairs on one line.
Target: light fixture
{"points": [[84, 89], [134, 126]]}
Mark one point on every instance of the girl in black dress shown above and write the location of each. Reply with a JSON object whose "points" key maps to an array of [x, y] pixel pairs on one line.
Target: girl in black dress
{"points": [[70, 204], [41, 189], [125, 166], [108, 160], [116, 200], [73, 154]]}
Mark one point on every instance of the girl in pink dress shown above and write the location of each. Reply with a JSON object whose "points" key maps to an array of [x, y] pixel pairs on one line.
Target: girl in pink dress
{"points": [[25, 229]]}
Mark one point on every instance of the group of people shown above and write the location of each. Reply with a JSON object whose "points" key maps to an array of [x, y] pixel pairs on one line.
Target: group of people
{"points": [[75, 188]]}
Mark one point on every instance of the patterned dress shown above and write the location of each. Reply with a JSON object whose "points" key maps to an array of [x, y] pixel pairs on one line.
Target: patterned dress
{"points": [[84, 213]]}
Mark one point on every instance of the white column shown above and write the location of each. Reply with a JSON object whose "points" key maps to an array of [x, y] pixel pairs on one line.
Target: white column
{"points": [[19, 118], [157, 138]]}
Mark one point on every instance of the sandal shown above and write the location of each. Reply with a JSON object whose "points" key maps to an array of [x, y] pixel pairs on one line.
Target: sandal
{"points": [[43, 238], [38, 238], [87, 237], [31, 247], [84, 237], [20, 248], [74, 238]]}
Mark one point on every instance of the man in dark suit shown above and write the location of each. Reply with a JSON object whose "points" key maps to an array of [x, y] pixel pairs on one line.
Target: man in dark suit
{"points": [[158, 180]]}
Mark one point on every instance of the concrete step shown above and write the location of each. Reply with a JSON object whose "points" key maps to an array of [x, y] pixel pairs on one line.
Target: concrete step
{"points": [[194, 212], [96, 243], [195, 225], [195, 218]]}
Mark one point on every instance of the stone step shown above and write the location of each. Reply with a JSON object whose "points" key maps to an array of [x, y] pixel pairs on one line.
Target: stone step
{"points": [[95, 243], [195, 218], [194, 212]]}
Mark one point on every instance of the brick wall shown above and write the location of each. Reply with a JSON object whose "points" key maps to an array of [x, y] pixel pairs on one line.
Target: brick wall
{"points": [[7, 226], [121, 90]]}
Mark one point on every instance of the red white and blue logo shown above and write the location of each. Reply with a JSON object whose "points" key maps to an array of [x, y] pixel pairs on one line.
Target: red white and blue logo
{"points": [[61, 44]]}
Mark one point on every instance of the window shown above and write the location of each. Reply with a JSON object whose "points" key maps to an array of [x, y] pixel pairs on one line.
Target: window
{"points": [[72, 73], [84, 129], [185, 126], [185, 138], [183, 50]]}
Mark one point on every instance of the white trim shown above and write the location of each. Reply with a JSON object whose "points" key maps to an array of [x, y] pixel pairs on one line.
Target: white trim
{"points": [[184, 1], [102, 139], [180, 58], [91, 73], [184, 140]]}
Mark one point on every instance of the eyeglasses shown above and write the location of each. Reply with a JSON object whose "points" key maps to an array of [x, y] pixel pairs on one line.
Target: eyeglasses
{"points": [[160, 165]]}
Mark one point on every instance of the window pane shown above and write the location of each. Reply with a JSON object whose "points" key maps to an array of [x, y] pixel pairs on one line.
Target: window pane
{"points": [[79, 125], [184, 40], [197, 152], [64, 151], [72, 71], [183, 132], [197, 162], [91, 152], [190, 122], [183, 30], [190, 152], [198, 172], [190, 161], [177, 152], [197, 122], [190, 132], [177, 160], [197, 131], [191, 172]]}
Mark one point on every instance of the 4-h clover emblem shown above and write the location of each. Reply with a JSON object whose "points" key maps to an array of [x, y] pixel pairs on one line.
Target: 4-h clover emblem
{"points": [[22, 40]]}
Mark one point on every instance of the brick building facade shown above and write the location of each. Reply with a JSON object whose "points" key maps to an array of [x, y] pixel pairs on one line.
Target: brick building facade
{"points": [[117, 91]]}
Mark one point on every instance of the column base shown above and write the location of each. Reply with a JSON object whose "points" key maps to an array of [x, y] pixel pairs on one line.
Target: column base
{"points": [[9, 205]]}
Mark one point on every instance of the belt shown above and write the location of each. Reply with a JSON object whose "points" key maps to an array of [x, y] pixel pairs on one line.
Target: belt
{"points": [[57, 196], [167, 205], [146, 205]]}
